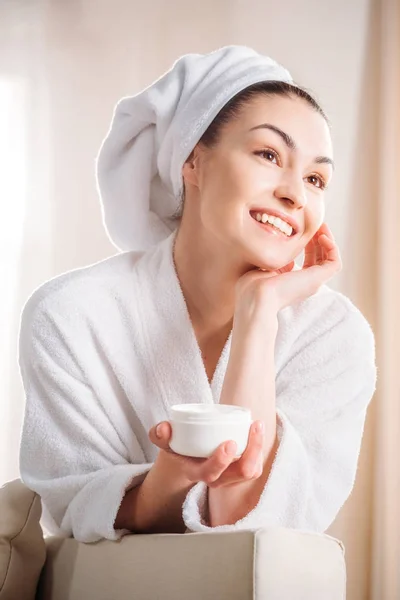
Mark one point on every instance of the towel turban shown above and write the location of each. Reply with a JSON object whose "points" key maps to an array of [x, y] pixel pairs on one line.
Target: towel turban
{"points": [[139, 165]]}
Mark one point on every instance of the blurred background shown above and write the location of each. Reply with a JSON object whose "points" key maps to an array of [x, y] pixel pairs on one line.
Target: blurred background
{"points": [[64, 65]]}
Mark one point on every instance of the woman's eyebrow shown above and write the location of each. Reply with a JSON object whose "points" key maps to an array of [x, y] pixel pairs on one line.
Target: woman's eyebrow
{"points": [[290, 143]]}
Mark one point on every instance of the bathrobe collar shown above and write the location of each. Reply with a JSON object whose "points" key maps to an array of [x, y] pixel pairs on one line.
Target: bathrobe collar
{"points": [[168, 333]]}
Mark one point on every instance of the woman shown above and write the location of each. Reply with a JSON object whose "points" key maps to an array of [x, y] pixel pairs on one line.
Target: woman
{"points": [[205, 305]]}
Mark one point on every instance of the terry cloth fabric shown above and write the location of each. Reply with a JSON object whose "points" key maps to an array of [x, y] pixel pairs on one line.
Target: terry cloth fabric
{"points": [[106, 349], [152, 133]]}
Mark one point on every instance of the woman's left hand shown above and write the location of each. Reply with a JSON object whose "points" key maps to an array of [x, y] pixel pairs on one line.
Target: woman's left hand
{"points": [[284, 287]]}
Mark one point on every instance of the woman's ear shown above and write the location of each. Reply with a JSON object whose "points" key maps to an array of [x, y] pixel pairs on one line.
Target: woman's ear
{"points": [[190, 168]]}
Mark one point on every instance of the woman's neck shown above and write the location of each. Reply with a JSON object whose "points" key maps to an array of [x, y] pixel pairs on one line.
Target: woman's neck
{"points": [[207, 284]]}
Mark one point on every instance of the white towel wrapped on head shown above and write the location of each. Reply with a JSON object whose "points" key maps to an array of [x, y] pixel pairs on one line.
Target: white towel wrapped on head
{"points": [[152, 134]]}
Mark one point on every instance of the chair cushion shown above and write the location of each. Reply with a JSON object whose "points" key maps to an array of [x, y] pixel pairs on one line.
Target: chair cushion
{"points": [[22, 547]]}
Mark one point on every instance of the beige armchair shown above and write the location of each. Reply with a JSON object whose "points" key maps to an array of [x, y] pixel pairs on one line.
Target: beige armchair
{"points": [[269, 564]]}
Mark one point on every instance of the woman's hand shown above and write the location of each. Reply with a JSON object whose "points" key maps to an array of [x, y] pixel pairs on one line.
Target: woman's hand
{"points": [[284, 286], [221, 468]]}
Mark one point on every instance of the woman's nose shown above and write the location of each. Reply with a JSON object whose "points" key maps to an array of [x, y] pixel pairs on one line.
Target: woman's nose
{"points": [[292, 189]]}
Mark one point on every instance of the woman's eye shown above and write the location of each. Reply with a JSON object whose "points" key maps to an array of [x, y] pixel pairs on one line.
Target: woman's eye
{"points": [[322, 184], [271, 153], [268, 153]]}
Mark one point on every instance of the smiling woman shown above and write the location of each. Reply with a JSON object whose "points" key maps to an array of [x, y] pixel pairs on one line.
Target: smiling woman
{"points": [[267, 155], [204, 308]]}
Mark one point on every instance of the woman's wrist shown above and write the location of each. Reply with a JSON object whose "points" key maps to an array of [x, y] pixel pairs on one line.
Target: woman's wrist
{"points": [[155, 505], [260, 313], [257, 327]]}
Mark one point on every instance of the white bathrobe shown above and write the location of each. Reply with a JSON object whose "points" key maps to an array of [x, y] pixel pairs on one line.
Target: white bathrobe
{"points": [[106, 349]]}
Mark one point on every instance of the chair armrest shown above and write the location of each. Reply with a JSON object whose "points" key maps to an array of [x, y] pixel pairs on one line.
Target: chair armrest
{"points": [[298, 565], [22, 548], [268, 564]]}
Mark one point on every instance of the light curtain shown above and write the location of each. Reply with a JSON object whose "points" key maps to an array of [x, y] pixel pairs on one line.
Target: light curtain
{"points": [[385, 559]]}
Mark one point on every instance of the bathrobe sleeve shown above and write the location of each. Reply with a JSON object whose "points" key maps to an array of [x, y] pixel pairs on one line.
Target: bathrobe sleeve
{"points": [[322, 394], [71, 453]]}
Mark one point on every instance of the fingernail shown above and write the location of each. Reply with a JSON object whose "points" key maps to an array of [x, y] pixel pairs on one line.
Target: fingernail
{"points": [[260, 427], [230, 448], [158, 431]]}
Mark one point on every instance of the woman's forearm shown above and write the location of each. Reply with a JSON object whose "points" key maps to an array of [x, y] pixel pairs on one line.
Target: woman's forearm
{"points": [[155, 506], [249, 382], [250, 375]]}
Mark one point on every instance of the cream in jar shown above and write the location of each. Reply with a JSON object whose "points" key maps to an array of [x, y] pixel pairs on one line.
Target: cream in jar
{"points": [[198, 429]]}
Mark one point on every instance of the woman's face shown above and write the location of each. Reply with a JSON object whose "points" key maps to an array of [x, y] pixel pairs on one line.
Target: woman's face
{"points": [[256, 169]]}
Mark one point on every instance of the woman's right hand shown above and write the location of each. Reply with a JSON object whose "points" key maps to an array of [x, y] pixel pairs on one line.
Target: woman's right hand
{"points": [[222, 468], [285, 286]]}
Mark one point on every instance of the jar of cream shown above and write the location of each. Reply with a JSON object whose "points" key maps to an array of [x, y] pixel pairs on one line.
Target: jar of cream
{"points": [[198, 429]]}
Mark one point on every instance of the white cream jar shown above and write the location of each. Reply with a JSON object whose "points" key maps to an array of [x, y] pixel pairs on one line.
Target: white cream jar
{"points": [[198, 429]]}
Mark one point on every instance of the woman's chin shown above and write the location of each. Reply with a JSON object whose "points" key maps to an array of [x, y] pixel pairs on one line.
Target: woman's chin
{"points": [[271, 264], [268, 259]]}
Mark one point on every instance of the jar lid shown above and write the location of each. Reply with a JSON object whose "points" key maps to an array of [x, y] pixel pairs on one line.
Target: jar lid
{"points": [[195, 412]]}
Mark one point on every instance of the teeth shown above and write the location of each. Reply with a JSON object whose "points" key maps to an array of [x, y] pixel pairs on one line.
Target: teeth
{"points": [[276, 222]]}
